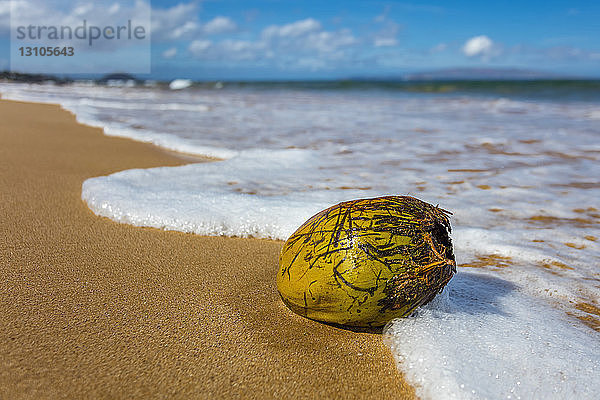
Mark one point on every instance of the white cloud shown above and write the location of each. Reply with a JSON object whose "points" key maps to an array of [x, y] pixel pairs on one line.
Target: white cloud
{"points": [[170, 53], [387, 34], [251, 14], [379, 18], [563, 53], [479, 46], [228, 50], [26, 11], [82, 9], [242, 50], [238, 45], [384, 14], [114, 9], [283, 45], [181, 22], [65, 13], [4, 17], [329, 42], [219, 25], [177, 22], [438, 48], [4, 8], [385, 42], [421, 8], [295, 29], [312, 64], [188, 29], [199, 46], [306, 36]]}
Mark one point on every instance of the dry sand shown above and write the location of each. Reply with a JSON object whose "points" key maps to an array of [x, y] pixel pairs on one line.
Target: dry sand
{"points": [[93, 309]]}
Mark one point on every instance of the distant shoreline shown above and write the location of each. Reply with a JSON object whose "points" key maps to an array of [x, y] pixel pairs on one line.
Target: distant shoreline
{"points": [[444, 75], [574, 89]]}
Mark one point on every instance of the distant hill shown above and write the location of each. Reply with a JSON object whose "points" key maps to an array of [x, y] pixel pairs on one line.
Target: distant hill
{"points": [[481, 74], [32, 78], [119, 78]]}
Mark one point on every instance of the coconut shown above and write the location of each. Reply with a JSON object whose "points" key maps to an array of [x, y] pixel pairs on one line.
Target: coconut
{"points": [[367, 261]]}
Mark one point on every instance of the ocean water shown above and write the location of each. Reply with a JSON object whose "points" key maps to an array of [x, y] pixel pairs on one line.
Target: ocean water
{"points": [[517, 163]]}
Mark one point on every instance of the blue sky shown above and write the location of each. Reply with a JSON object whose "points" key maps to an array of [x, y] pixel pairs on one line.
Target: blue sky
{"points": [[293, 39]]}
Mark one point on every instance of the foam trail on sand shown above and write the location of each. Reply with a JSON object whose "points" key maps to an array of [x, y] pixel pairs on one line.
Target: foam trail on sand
{"points": [[202, 202]]}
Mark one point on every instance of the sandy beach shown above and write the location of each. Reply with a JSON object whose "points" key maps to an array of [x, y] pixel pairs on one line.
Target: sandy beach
{"points": [[94, 309]]}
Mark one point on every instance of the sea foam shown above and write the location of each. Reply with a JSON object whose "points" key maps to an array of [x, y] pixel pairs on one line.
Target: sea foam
{"points": [[204, 199], [483, 338]]}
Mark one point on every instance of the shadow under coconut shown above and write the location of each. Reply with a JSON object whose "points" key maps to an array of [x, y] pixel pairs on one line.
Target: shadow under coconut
{"points": [[469, 293], [473, 293]]}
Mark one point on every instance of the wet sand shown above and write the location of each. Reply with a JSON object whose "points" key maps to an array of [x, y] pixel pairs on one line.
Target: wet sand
{"points": [[93, 309]]}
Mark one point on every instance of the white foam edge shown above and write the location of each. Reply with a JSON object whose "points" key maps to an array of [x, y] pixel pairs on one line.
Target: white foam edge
{"points": [[483, 338]]}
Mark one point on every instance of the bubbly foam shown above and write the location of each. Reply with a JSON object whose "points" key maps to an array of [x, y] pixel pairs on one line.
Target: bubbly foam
{"points": [[178, 84], [483, 338], [201, 201]]}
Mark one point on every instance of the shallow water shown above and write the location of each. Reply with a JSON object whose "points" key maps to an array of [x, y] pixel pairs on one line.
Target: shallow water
{"points": [[520, 175]]}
